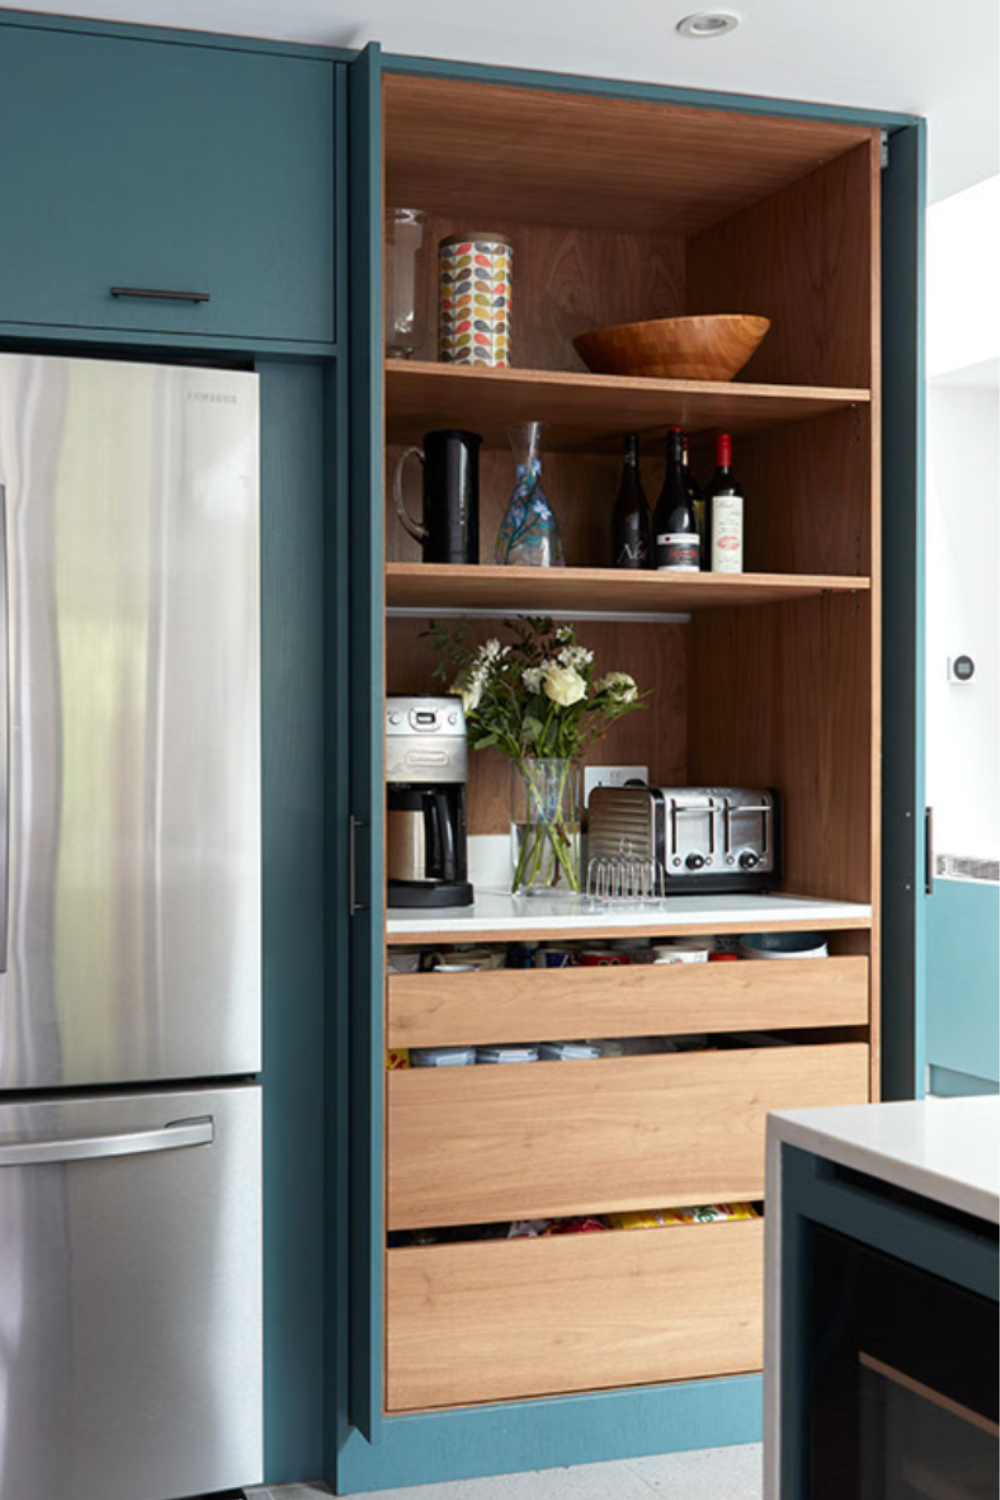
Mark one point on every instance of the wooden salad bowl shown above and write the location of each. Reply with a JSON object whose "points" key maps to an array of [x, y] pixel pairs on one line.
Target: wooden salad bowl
{"points": [[711, 347]]}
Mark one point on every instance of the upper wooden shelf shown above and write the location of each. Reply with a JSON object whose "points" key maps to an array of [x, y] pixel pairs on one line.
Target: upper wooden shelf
{"points": [[588, 412], [435, 586], [496, 153]]}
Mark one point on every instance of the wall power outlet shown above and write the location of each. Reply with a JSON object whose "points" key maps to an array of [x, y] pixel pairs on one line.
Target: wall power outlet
{"points": [[610, 776]]}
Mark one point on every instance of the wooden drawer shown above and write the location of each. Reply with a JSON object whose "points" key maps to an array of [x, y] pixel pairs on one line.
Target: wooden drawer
{"points": [[441, 1010], [472, 1145], [505, 1319]]}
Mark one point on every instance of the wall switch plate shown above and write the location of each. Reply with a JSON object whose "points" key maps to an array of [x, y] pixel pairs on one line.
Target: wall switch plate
{"points": [[961, 669], [610, 776]]}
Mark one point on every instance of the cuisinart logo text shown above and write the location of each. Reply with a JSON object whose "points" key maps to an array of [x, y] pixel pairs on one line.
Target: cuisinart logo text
{"points": [[216, 396]]}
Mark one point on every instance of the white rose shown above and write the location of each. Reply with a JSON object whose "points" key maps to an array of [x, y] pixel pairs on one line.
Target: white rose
{"points": [[471, 695], [564, 685], [619, 685]]}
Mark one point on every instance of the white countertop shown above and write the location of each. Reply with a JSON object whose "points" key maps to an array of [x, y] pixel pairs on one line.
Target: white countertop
{"points": [[944, 1149], [496, 912]]}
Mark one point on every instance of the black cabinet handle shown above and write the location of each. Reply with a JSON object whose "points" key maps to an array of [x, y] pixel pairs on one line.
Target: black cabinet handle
{"points": [[353, 906], [161, 296]]}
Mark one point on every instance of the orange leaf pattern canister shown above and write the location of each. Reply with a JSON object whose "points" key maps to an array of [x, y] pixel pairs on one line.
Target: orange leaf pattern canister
{"points": [[474, 284]]}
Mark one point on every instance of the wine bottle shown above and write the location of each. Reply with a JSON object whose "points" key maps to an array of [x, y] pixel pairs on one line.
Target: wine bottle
{"points": [[675, 526], [725, 511], [630, 518], [697, 498]]}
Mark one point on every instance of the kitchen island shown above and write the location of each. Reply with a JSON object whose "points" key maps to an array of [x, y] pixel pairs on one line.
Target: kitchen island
{"points": [[881, 1291]]}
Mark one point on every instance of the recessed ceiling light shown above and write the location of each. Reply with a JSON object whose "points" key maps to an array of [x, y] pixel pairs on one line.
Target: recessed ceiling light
{"points": [[708, 23]]}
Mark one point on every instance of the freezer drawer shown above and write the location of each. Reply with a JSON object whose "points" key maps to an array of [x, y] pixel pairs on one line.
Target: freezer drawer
{"points": [[130, 1296]]}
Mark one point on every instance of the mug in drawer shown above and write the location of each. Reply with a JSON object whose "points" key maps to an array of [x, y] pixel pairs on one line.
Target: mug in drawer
{"points": [[528, 1005], [504, 1319], [473, 1145]]}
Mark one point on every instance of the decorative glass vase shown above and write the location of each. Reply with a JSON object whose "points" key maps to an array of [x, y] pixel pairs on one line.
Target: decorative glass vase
{"points": [[404, 311], [529, 534], [545, 827]]}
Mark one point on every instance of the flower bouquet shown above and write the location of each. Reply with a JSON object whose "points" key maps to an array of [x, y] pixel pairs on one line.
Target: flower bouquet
{"points": [[537, 701]]}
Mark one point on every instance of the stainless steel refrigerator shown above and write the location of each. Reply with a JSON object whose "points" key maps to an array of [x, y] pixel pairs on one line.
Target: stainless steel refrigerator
{"points": [[130, 962]]}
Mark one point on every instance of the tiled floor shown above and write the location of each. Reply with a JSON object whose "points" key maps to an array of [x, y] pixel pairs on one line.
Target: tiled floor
{"points": [[708, 1474]]}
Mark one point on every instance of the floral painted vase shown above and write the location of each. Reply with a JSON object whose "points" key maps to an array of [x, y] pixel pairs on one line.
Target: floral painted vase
{"points": [[529, 533]]}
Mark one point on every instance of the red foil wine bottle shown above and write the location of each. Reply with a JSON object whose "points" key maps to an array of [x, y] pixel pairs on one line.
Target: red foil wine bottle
{"points": [[675, 526], [725, 511]]}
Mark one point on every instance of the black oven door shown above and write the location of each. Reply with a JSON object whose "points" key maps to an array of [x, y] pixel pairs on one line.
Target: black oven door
{"points": [[902, 1393]]}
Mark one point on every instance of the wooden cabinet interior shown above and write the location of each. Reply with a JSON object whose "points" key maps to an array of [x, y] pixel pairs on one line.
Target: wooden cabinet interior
{"points": [[622, 210]]}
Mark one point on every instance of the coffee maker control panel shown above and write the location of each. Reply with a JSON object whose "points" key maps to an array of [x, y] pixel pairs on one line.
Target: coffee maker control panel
{"points": [[425, 716], [425, 740]]}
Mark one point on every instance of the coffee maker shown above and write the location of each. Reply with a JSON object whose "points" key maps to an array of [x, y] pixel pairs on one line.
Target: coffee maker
{"points": [[427, 766]]}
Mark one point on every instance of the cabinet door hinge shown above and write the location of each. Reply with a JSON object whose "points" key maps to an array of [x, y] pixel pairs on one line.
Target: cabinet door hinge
{"points": [[929, 850], [884, 148]]}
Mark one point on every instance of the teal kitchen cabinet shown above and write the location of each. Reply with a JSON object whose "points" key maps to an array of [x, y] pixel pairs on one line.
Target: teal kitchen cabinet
{"points": [[963, 986], [165, 188], [805, 214]]}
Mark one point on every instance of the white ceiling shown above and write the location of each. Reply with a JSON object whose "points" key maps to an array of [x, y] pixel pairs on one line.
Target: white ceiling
{"points": [[916, 56]]}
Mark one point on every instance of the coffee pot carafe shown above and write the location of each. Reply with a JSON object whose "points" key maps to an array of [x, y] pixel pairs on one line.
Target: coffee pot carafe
{"points": [[449, 532]]}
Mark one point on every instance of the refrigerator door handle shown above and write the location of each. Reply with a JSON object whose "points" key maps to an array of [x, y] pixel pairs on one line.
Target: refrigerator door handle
{"points": [[4, 733], [172, 1137]]}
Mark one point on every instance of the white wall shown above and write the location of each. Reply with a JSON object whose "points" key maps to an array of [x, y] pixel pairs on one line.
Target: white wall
{"points": [[963, 519], [963, 616], [963, 282]]}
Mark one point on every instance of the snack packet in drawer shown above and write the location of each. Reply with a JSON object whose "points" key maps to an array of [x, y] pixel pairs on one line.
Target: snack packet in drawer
{"points": [[715, 1213], [662, 1218], [584, 1225], [644, 1218]]}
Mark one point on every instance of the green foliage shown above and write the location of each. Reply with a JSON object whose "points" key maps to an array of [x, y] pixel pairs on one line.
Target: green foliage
{"points": [[536, 695]]}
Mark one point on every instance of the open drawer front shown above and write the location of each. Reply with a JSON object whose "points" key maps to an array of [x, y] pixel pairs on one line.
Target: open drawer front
{"points": [[537, 1005], [512, 1318], [471, 1145]]}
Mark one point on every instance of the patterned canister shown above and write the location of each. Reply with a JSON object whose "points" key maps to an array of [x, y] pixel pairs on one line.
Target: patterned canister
{"points": [[475, 282]]}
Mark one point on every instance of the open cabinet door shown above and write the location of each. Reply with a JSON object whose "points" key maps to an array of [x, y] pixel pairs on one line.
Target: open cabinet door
{"points": [[904, 851], [366, 750]]}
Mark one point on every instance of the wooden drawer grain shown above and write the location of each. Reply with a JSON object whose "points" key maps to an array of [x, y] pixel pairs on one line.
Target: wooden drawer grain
{"points": [[505, 1319], [473, 1145], [525, 1005]]}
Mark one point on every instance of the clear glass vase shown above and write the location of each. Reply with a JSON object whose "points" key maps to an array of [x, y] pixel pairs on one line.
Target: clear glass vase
{"points": [[545, 827], [404, 309], [529, 533]]}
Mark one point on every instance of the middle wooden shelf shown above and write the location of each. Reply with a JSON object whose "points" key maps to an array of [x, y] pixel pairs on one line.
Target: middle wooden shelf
{"points": [[590, 412], [437, 587]]}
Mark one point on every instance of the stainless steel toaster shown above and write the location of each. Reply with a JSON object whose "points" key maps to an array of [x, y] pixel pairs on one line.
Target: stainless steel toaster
{"points": [[706, 839]]}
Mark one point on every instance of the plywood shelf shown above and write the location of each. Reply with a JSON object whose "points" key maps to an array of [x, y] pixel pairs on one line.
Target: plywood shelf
{"points": [[589, 413], [438, 587]]}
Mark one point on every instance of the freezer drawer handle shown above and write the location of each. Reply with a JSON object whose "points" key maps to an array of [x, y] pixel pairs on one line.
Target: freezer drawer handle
{"points": [[159, 295], [172, 1137]]}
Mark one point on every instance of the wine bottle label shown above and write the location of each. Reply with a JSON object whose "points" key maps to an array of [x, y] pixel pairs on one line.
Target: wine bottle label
{"points": [[727, 534], [632, 554], [677, 552]]}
